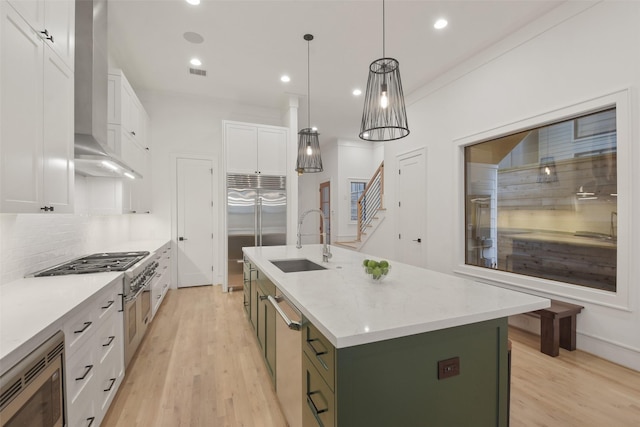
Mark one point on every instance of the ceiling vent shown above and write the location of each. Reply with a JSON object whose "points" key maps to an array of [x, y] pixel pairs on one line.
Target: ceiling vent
{"points": [[197, 72]]}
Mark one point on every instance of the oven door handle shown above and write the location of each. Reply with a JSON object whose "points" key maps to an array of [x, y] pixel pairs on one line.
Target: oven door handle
{"points": [[130, 298]]}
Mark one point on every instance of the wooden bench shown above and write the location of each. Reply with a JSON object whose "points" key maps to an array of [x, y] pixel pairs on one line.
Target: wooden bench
{"points": [[557, 327]]}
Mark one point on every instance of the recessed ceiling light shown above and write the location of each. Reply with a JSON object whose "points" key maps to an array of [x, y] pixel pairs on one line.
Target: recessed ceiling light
{"points": [[285, 79], [195, 62], [193, 2], [440, 24], [357, 92]]}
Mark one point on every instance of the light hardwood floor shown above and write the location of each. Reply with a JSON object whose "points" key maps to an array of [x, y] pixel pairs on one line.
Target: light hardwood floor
{"points": [[199, 365]]}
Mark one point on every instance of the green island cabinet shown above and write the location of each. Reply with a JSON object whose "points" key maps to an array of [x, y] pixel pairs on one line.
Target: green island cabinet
{"points": [[411, 381], [396, 382], [260, 312]]}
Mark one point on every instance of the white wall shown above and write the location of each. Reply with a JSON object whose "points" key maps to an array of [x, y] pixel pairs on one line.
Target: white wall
{"points": [[188, 125], [578, 52]]}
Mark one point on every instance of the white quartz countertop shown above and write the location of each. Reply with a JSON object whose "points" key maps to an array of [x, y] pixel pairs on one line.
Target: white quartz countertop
{"points": [[34, 308], [350, 309]]}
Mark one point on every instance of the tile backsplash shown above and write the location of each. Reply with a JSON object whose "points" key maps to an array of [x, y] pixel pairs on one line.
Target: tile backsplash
{"points": [[32, 242]]}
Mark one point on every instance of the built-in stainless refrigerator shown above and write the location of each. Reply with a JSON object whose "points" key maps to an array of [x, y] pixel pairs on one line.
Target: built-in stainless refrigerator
{"points": [[256, 216]]}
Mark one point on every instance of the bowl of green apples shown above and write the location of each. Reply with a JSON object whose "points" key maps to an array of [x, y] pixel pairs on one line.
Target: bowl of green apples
{"points": [[376, 270]]}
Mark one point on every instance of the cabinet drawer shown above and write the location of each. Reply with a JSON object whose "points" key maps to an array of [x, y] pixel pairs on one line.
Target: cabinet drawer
{"points": [[108, 380], [80, 327], [318, 401], [109, 300], [320, 352], [80, 373], [109, 338], [83, 412]]}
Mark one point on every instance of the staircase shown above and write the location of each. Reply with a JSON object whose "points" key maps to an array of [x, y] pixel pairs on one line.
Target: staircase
{"points": [[370, 210]]}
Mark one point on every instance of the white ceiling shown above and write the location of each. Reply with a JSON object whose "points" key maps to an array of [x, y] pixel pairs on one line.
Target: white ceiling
{"points": [[248, 45]]}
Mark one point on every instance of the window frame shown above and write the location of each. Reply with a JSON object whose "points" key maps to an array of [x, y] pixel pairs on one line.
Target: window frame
{"points": [[545, 287], [365, 181]]}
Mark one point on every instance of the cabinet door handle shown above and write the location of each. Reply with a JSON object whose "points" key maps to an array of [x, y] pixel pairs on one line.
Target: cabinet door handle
{"points": [[113, 381], [84, 328], [318, 353], [111, 338], [109, 304], [47, 209], [312, 405], [46, 35], [88, 369], [133, 133]]}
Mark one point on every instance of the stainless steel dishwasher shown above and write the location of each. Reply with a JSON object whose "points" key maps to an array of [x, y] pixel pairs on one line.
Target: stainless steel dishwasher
{"points": [[288, 358]]}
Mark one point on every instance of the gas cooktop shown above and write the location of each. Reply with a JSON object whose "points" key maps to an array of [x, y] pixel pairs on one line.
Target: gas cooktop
{"points": [[95, 263]]}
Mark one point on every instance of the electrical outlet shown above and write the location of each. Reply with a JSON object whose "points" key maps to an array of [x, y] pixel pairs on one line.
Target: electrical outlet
{"points": [[448, 368]]}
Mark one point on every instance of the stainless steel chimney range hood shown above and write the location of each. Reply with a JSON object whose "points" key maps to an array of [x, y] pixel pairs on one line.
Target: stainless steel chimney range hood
{"points": [[93, 157]]}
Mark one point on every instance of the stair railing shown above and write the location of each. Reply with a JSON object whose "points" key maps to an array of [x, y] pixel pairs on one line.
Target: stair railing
{"points": [[371, 200]]}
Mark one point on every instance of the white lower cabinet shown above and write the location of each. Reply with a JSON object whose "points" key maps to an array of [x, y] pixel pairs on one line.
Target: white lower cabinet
{"points": [[94, 362], [162, 281]]}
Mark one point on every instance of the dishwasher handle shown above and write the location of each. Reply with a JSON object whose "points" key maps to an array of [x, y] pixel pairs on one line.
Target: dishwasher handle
{"points": [[291, 324]]}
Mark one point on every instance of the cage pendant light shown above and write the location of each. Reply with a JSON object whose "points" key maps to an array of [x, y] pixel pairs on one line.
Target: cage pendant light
{"points": [[309, 159], [384, 117]]}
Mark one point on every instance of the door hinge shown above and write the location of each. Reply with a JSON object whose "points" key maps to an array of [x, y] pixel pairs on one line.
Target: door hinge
{"points": [[400, 236], [399, 204], [212, 268], [212, 203], [212, 235], [399, 171], [211, 170]]}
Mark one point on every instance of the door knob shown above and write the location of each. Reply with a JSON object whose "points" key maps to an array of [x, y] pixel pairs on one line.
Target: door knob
{"points": [[419, 240], [181, 239]]}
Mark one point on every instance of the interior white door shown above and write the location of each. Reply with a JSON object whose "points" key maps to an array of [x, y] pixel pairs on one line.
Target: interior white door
{"points": [[195, 221], [411, 208]]}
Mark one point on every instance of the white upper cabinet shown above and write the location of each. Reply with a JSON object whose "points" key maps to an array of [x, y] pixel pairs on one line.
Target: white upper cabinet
{"points": [[255, 149], [36, 142], [54, 21], [125, 109]]}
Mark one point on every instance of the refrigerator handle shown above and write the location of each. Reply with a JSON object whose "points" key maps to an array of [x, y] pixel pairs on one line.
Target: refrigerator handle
{"points": [[259, 210], [255, 221]]}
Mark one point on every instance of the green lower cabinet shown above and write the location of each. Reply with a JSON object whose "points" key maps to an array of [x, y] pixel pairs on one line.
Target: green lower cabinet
{"points": [[247, 274], [266, 324], [396, 382], [318, 400], [261, 313]]}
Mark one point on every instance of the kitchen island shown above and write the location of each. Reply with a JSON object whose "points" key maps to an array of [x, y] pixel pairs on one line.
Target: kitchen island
{"points": [[418, 348]]}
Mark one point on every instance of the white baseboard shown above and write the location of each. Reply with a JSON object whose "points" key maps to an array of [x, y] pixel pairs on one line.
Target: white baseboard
{"points": [[611, 351]]}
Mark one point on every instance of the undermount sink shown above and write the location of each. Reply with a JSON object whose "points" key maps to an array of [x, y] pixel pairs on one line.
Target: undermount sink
{"points": [[297, 265]]}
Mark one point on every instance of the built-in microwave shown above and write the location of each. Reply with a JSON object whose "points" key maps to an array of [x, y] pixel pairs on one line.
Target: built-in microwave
{"points": [[32, 391]]}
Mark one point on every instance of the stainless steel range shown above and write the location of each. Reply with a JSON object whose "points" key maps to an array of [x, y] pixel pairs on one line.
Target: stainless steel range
{"points": [[139, 269], [96, 263]]}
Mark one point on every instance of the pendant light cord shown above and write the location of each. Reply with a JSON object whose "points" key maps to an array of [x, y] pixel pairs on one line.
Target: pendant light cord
{"points": [[308, 84], [383, 31]]}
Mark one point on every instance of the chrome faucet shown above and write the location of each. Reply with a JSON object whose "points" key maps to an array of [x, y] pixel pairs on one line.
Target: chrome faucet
{"points": [[326, 252]]}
